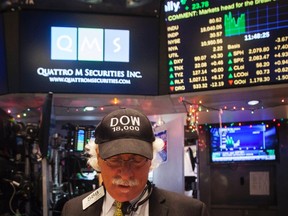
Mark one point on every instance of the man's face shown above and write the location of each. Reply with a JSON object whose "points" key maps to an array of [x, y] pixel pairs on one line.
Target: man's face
{"points": [[125, 175]]}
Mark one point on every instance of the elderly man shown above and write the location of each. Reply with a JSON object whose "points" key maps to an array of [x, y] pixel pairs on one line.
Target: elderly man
{"points": [[125, 150]]}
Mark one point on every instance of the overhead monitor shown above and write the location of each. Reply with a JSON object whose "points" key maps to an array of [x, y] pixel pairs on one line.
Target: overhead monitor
{"points": [[88, 53], [252, 142], [226, 44]]}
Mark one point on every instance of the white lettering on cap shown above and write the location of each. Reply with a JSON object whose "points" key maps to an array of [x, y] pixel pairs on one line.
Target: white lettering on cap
{"points": [[125, 120], [125, 123]]}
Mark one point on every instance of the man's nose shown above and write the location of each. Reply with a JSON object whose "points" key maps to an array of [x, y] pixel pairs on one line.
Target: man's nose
{"points": [[126, 170]]}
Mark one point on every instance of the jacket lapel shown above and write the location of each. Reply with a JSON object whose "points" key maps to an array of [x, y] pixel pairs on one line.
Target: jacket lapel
{"points": [[94, 209], [157, 206]]}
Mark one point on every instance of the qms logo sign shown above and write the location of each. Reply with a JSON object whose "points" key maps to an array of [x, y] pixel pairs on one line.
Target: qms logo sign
{"points": [[89, 44]]}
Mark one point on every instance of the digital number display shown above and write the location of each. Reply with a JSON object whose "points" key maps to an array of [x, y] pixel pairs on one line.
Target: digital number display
{"points": [[226, 44]]}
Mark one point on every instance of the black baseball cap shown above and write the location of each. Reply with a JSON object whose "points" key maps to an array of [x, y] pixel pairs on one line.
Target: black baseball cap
{"points": [[125, 131]]}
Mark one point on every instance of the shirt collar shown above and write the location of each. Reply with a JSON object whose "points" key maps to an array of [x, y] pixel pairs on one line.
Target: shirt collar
{"points": [[109, 202]]}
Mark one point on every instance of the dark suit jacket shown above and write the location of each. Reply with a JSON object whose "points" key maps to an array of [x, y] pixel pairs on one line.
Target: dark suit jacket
{"points": [[161, 203]]}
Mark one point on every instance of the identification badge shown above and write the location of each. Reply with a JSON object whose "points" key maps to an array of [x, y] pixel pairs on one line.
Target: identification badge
{"points": [[93, 197]]}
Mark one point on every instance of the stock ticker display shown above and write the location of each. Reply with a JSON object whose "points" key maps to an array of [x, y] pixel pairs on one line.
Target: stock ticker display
{"points": [[226, 43]]}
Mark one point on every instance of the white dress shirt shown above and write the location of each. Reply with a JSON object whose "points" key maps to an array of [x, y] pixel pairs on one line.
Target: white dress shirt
{"points": [[109, 208]]}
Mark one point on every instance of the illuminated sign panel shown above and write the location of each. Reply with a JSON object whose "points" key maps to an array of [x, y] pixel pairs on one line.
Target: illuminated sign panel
{"points": [[88, 53], [87, 44], [226, 44], [63, 43], [116, 45]]}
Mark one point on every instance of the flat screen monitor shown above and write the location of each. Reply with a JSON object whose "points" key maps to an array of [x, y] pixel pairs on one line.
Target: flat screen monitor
{"points": [[226, 44], [80, 139], [253, 142], [67, 52], [82, 136]]}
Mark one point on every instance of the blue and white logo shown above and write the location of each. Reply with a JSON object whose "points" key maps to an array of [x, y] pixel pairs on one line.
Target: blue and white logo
{"points": [[90, 44], [63, 43], [116, 45]]}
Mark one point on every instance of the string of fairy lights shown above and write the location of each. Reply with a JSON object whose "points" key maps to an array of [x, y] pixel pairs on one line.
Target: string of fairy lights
{"points": [[36, 111], [192, 110], [192, 118], [202, 107]]}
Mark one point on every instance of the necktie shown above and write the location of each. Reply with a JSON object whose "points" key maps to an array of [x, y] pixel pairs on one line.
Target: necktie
{"points": [[118, 211]]}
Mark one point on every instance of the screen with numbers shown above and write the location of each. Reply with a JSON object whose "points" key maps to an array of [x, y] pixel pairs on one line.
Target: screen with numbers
{"points": [[226, 44]]}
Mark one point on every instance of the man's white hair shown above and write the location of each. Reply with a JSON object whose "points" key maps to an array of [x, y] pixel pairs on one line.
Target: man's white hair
{"points": [[91, 146]]}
